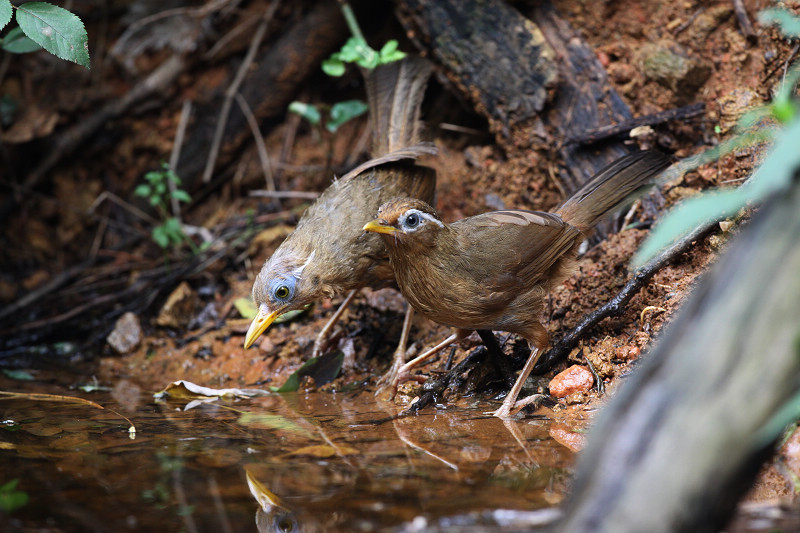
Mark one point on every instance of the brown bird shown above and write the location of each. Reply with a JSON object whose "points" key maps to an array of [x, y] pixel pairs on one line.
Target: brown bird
{"points": [[493, 271], [328, 253]]}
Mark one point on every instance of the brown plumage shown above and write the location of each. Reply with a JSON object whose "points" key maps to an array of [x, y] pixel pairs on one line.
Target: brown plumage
{"points": [[328, 254], [493, 271]]}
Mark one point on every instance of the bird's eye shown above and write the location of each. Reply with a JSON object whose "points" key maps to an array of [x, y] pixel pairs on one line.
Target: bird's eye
{"points": [[412, 220], [282, 289], [282, 292]]}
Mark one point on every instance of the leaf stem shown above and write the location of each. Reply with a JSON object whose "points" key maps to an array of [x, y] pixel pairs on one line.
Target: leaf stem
{"points": [[352, 23]]}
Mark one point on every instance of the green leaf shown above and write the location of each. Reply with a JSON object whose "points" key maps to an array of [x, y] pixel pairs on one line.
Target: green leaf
{"points": [[160, 236], [5, 14], [390, 53], [153, 176], [333, 66], [143, 190], [352, 50], [181, 195], [356, 50], [774, 174], [17, 42], [307, 111], [20, 44], [174, 230], [19, 375], [8, 110], [777, 170], [686, 216], [788, 23], [58, 31], [341, 112], [288, 316], [12, 499], [246, 307]]}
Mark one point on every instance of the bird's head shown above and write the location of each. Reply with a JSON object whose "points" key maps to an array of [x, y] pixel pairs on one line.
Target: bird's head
{"points": [[284, 283], [406, 221]]}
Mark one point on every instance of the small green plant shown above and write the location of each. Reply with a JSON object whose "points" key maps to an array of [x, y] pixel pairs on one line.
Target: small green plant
{"points": [[159, 193], [12, 499], [778, 121], [43, 25], [355, 50], [338, 113]]}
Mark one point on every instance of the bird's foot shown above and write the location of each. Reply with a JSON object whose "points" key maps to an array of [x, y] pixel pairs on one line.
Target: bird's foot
{"points": [[398, 374], [510, 408]]}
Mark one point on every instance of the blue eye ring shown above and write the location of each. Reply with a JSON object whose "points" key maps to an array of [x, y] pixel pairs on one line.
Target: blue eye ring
{"points": [[282, 290]]}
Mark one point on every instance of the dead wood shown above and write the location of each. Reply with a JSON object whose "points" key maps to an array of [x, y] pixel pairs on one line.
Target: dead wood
{"points": [[507, 65], [494, 56], [611, 130], [267, 88], [685, 436]]}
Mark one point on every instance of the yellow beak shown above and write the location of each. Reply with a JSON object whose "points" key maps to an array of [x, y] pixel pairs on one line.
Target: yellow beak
{"points": [[375, 226], [261, 322]]}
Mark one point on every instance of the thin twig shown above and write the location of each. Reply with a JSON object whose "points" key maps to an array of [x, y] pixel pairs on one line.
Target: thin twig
{"points": [[223, 41], [292, 123], [689, 21], [744, 20], [180, 134], [197, 12], [233, 89], [784, 65], [304, 195], [261, 148], [132, 209]]}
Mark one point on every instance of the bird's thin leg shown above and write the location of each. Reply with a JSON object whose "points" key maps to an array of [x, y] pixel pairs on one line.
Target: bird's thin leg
{"points": [[404, 373], [510, 404], [322, 337], [498, 357], [399, 357]]}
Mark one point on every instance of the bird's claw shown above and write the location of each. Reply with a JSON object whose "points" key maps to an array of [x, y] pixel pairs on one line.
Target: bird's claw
{"points": [[507, 410]]}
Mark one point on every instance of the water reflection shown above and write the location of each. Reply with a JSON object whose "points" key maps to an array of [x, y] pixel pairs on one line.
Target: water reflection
{"points": [[293, 462]]}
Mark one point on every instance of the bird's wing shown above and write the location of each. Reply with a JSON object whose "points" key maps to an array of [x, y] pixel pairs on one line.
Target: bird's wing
{"points": [[518, 247]]}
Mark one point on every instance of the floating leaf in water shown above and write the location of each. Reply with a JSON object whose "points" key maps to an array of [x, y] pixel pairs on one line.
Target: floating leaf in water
{"points": [[186, 390], [268, 421], [323, 451], [41, 429]]}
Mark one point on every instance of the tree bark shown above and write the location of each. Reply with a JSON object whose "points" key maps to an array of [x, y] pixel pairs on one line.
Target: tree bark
{"points": [[685, 436], [518, 71]]}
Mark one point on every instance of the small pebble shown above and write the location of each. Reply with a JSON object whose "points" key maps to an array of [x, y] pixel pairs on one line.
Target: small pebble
{"points": [[127, 334], [574, 379]]}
